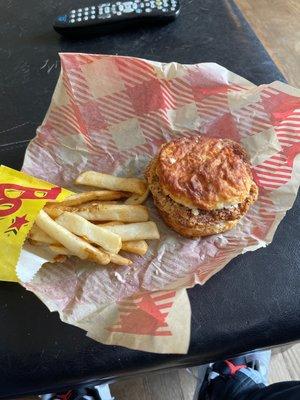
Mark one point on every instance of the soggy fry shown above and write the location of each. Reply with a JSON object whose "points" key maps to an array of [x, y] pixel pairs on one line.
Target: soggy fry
{"points": [[137, 199], [59, 250], [85, 197], [105, 181], [74, 244], [137, 231], [97, 224], [36, 234], [93, 203], [139, 247], [114, 212], [119, 260], [109, 241], [111, 223], [54, 210]]}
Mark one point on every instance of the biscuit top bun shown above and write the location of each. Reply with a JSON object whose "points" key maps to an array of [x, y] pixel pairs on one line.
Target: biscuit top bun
{"points": [[204, 172]]}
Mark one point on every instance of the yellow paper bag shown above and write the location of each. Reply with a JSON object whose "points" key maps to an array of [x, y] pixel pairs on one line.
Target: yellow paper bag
{"points": [[21, 198]]}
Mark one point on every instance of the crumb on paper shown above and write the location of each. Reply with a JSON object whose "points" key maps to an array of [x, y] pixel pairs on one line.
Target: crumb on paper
{"points": [[119, 277], [156, 272], [195, 211], [60, 258]]}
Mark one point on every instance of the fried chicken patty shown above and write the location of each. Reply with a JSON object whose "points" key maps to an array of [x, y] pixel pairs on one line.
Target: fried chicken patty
{"points": [[195, 222]]}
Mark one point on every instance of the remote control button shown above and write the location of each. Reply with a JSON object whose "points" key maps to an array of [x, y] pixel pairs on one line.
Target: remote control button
{"points": [[72, 20], [119, 13], [62, 18], [93, 16], [106, 9], [128, 6], [138, 10], [148, 10], [93, 11], [79, 19], [134, 6], [164, 9], [79, 9], [172, 8], [73, 11], [86, 18], [86, 8], [121, 7], [79, 14]]}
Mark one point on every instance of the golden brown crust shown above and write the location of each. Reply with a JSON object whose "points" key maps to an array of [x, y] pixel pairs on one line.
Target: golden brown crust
{"points": [[195, 222], [203, 172]]}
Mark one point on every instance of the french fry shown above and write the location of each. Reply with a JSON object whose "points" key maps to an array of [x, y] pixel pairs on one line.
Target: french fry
{"points": [[114, 212], [71, 242], [109, 241], [137, 199], [35, 243], [115, 258], [119, 260], [54, 210], [38, 235], [85, 197], [105, 181], [59, 250], [94, 203], [137, 231], [111, 223], [139, 247]]}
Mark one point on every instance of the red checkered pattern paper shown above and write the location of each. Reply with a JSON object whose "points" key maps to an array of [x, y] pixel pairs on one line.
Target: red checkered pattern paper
{"points": [[111, 114]]}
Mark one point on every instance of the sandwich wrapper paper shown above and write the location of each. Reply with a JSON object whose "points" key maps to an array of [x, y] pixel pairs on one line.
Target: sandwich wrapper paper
{"points": [[111, 114]]}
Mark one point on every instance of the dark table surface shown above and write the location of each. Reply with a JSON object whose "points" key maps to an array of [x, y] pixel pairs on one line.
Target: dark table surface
{"points": [[252, 303]]}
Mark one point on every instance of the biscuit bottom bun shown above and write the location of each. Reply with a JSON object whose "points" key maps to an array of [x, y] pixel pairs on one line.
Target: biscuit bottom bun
{"points": [[201, 185]]}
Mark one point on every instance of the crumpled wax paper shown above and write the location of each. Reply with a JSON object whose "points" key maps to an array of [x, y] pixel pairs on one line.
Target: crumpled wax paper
{"points": [[111, 114]]}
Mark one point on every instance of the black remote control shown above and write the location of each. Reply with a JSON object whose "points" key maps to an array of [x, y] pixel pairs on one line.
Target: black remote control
{"points": [[113, 15]]}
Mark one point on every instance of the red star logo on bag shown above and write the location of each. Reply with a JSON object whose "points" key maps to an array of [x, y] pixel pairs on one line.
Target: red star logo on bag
{"points": [[17, 224]]}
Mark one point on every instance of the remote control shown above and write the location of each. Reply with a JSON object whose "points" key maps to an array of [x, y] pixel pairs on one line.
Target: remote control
{"points": [[113, 15]]}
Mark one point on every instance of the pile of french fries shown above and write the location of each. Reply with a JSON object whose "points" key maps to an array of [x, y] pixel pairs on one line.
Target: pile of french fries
{"points": [[98, 224]]}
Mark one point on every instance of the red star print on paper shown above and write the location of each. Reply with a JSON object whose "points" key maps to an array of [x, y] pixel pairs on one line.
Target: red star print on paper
{"points": [[17, 224]]}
